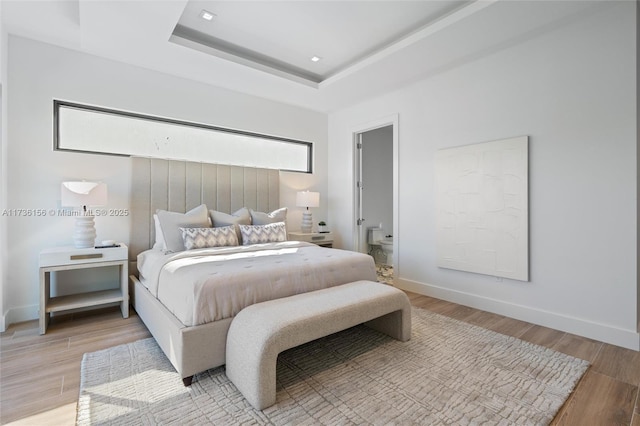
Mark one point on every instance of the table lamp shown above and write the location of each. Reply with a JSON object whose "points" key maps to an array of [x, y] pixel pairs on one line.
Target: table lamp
{"points": [[307, 199], [83, 194]]}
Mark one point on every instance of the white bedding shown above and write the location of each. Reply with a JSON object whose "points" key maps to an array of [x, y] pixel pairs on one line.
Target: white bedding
{"points": [[205, 285]]}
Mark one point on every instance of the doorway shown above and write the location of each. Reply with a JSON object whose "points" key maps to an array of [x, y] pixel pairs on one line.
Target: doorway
{"points": [[376, 192]]}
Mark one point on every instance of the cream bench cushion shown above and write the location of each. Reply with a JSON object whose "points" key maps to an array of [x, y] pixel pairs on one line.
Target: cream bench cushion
{"points": [[261, 331]]}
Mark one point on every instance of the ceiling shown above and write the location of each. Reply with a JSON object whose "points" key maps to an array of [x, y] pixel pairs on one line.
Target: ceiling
{"points": [[282, 37], [264, 47]]}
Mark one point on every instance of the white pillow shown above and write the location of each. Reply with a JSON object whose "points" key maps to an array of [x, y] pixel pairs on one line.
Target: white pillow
{"points": [[159, 244], [258, 234], [238, 217], [260, 218], [171, 222], [195, 238]]}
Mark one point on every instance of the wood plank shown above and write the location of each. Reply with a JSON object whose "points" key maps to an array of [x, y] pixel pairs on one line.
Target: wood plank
{"points": [[510, 327], [436, 305], [542, 336], [41, 411], [578, 346], [458, 312], [599, 400], [484, 319], [620, 363]]}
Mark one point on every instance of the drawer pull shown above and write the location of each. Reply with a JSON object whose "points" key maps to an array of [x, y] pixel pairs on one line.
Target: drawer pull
{"points": [[86, 256]]}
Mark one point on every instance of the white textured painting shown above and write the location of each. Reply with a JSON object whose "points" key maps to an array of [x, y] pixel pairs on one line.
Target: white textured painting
{"points": [[483, 208]]}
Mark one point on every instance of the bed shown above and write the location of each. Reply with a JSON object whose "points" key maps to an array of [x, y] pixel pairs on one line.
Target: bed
{"points": [[188, 298]]}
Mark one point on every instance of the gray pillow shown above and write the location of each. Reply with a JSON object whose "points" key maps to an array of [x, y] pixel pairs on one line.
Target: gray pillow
{"points": [[260, 218], [240, 217], [171, 222]]}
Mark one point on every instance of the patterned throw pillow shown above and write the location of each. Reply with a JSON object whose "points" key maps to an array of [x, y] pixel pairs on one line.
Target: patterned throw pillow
{"points": [[258, 234], [195, 238]]}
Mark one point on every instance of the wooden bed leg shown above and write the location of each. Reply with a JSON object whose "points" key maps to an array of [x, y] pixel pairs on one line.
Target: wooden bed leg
{"points": [[187, 380]]}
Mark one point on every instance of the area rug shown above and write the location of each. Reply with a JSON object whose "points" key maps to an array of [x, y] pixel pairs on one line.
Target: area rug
{"points": [[449, 373]]}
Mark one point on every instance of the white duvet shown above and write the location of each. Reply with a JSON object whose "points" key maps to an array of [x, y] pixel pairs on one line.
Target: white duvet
{"points": [[205, 285]]}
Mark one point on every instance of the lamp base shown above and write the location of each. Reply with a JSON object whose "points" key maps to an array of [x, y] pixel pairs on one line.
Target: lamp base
{"points": [[84, 234], [307, 222]]}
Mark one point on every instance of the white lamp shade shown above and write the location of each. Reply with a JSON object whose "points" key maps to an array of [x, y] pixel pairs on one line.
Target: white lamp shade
{"points": [[307, 199], [83, 193]]}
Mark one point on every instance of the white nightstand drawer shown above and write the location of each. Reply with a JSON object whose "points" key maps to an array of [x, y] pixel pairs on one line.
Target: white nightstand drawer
{"points": [[324, 239], [59, 256]]}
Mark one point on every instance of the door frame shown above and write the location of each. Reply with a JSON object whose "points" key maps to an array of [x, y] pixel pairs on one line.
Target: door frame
{"points": [[359, 237]]}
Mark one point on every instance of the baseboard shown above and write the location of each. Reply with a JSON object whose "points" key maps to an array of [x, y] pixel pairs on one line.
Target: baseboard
{"points": [[23, 313], [604, 333]]}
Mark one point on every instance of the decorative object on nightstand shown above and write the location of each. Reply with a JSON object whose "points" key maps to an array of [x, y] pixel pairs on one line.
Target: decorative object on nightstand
{"points": [[324, 239], [83, 194], [69, 258], [322, 227], [307, 199]]}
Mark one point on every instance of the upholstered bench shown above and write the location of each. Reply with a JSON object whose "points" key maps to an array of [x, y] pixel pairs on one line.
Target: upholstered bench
{"points": [[260, 332]]}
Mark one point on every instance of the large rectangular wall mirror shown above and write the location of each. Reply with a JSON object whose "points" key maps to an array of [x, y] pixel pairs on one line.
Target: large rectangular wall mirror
{"points": [[90, 129]]}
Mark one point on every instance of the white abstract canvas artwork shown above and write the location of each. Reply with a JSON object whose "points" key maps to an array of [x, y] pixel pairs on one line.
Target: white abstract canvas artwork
{"points": [[482, 202]]}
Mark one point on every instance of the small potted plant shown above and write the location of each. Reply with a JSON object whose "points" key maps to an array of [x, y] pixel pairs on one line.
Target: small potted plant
{"points": [[322, 227]]}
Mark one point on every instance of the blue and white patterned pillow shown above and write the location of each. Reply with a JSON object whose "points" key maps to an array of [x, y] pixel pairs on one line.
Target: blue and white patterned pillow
{"points": [[195, 238], [258, 234]]}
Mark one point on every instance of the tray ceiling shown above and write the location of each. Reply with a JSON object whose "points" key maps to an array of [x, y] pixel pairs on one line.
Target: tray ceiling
{"points": [[281, 37]]}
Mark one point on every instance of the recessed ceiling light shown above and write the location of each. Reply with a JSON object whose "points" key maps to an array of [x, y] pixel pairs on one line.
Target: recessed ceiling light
{"points": [[316, 58], [206, 15]]}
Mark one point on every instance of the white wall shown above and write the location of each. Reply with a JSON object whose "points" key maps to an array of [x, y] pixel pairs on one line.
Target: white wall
{"points": [[572, 90], [39, 73]]}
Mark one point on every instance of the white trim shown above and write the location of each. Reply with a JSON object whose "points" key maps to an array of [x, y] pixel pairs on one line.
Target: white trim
{"points": [[20, 314], [629, 339]]}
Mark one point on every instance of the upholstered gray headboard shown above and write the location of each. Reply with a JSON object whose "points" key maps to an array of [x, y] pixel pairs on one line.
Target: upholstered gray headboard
{"points": [[182, 185]]}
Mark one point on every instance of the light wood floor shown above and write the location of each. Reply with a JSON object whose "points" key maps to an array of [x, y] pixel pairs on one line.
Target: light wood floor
{"points": [[40, 375]]}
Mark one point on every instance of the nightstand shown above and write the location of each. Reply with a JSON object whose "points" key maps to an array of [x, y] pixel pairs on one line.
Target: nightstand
{"points": [[69, 258], [324, 239]]}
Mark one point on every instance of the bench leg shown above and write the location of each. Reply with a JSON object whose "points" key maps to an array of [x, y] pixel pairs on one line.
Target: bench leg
{"points": [[254, 375], [395, 324]]}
